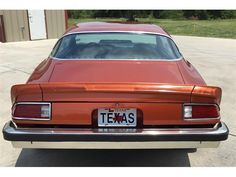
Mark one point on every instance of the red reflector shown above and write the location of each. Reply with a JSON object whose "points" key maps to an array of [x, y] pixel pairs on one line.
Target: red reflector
{"points": [[201, 111], [205, 111], [31, 111]]}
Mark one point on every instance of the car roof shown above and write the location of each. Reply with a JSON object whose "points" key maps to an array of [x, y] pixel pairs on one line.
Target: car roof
{"points": [[116, 27]]}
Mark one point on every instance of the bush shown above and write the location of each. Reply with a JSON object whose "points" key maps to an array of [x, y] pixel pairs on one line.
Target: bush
{"points": [[171, 14], [202, 15], [196, 14], [228, 14], [222, 14], [80, 13]]}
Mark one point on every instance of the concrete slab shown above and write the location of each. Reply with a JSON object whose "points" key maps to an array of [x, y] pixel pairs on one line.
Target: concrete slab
{"points": [[214, 58]]}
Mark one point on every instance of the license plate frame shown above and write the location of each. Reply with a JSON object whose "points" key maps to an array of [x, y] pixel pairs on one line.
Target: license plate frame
{"points": [[117, 117]]}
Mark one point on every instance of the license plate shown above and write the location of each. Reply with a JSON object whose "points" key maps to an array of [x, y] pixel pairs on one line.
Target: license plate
{"points": [[120, 117]]}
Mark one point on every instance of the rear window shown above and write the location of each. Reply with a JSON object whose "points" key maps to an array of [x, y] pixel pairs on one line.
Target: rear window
{"points": [[115, 46]]}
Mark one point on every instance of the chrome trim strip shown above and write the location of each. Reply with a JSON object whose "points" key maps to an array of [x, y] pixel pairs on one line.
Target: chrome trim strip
{"points": [[117, 145], [102, 59], [198, 119], [201, 119], [32, 118], [117, 31]]}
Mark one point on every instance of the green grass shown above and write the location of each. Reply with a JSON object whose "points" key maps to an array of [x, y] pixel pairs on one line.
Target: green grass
{"points": [[205, 28]]}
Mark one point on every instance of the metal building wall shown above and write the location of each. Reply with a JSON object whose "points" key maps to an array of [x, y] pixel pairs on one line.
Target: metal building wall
{"points": [[56, 25], [16, 25]]}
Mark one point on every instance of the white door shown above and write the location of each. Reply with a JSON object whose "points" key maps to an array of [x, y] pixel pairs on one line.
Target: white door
{"points": [[37, 24]]}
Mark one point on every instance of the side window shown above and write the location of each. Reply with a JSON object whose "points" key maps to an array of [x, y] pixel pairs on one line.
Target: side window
{"points": [[175, 49], [165, 43], [65, 43], [55, 48], [168, 47]]}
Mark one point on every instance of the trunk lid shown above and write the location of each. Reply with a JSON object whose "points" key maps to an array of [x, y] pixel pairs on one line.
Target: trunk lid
{"points": [[115, 71], [116, 92]]}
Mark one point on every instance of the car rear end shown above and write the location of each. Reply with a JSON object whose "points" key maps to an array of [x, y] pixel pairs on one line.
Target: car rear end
{"points": [[118, 115]]}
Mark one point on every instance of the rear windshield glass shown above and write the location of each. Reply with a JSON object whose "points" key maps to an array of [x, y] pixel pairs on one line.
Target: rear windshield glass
{"points": [[115, 46]]}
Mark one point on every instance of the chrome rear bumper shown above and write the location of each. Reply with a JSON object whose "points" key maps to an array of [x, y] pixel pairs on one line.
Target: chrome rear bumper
{"points": [[81, 138]]}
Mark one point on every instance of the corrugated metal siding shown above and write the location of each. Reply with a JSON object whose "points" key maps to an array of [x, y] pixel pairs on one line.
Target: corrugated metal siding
{"points": [[16, 25], [55, 23], [17, 28]]}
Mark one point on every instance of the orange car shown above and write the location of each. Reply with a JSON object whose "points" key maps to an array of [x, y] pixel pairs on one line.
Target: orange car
{"points": [[115, 85]]}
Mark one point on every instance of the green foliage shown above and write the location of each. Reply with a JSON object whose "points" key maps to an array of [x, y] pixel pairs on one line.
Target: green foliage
{"points": [[209, 14], [202, 15], [228, 14], [159, 14], [196, 14], [80, 13], [171, 14]]}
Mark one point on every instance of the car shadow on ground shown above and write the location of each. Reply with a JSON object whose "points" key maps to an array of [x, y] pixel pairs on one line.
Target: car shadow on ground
{"points": [[103, 158]]}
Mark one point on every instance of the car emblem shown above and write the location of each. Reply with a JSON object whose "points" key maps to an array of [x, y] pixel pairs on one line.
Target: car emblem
{"points": [[117, 105]]}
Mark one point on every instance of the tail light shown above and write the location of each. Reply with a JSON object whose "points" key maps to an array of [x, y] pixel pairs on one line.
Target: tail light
{"points": [[31, 111], [193, 111]]}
